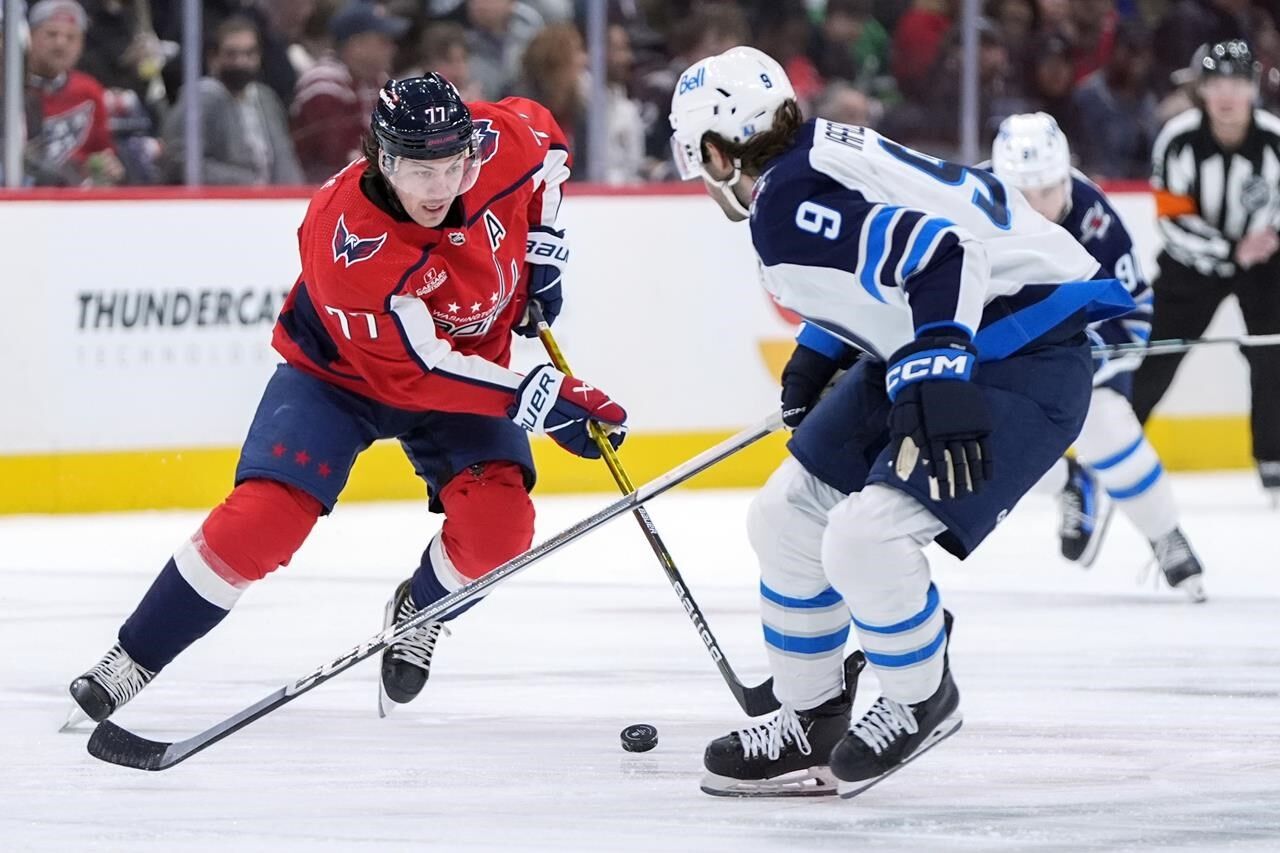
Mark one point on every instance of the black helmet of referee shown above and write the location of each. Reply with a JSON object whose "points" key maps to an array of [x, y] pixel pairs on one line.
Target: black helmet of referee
{"points": [[1229, 59], [422, 118]]}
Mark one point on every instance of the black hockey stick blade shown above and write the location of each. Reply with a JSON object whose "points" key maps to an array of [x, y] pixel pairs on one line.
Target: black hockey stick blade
{"points": [[120, 746], [757, 701], [116, 745]]}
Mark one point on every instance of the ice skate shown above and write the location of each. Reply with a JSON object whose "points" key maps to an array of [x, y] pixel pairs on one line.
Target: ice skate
{"points": [[406, 664], [1180, 565], [891, 735], [786, 755], [112, 682], [1086, 513]]}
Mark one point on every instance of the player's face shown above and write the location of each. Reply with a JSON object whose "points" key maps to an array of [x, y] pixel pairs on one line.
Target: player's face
{"points": [[427, 188], [1050, 202], [1228, 100]]}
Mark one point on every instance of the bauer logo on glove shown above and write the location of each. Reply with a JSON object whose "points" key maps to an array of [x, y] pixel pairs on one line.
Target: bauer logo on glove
{"points": [[563, 407]]}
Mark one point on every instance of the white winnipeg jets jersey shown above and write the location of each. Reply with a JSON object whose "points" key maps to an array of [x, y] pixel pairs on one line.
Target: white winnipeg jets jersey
{"points": [[877, 244]]}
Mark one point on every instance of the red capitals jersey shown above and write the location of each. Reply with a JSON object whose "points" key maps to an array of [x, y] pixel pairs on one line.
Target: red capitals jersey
{"points": [[420, 318], [74, 119]]}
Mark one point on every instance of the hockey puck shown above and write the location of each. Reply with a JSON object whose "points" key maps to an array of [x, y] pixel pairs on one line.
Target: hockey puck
{"points": [[639, 737]]}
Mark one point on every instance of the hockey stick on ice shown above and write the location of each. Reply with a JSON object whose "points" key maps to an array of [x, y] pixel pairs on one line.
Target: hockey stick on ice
{"points": [[755, 701], [116, 745], [1177, 345]]}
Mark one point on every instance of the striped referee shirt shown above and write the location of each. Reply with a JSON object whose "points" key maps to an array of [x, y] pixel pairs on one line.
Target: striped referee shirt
{"points": [[1207, 198]]}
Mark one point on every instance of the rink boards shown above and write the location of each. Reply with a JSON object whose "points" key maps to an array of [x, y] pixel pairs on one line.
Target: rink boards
{"points": [[137, 338]]}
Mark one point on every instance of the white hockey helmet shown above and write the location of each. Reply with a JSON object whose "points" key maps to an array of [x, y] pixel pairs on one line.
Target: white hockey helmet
{"points": [[735, 95], [1030, 151]]}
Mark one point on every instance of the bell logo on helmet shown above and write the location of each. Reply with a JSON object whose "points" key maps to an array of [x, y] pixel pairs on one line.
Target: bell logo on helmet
{"points": [[691, 81]]}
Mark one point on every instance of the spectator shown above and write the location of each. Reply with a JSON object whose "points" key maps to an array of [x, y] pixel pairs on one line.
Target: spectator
{"points": [[555, 66], [708, 31], [1051, 78], [331, 109], [785, 32], [918, 42], [281, 24], [1094, 32], [69, 141], [624, 146], [500, 32], [443, 48], [1016, 21], [1117, 109], [842, 102], [246, 135], [851, 45]]}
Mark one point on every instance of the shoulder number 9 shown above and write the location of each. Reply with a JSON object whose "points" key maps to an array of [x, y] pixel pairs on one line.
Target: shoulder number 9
{"points": [[818, 219]]}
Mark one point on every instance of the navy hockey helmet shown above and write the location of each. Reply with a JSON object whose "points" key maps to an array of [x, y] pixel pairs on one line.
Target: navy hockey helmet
{"points": [[1228, 59], [418, 120], [422, 118]]}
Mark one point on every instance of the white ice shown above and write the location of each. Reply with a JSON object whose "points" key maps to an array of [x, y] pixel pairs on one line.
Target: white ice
{"points": [[1099, 715]]}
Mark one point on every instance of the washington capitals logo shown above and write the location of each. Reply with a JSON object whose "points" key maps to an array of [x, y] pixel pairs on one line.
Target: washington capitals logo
{"points": [[486, 139], [352, 249]]}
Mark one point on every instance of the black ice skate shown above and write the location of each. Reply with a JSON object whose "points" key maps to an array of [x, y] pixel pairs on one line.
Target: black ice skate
{"points": [[785, 756], [1086, 512], [113, 681], [1269, 473], [406, 664], [891, 735], [1180, 565]]}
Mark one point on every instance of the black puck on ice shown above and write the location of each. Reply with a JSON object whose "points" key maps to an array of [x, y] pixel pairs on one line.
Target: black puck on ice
{"points": [[639, 737]]}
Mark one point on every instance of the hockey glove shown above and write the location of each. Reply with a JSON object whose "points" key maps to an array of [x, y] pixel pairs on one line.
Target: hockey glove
{"points": [[545, 257], [803, 380], [563, 407], [939, 416]]}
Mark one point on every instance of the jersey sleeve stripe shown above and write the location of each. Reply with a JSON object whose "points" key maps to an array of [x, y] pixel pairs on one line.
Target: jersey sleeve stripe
{"points": [[925, 241], [874, 236], [433, 354]]}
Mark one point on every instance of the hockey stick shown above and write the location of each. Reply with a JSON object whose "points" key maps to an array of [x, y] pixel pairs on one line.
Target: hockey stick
{"points": [[1177, 345], [116, 745], [755, 701]]}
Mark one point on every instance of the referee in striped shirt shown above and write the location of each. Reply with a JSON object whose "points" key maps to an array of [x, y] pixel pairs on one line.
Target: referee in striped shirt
{"points": [[1216, 176]]}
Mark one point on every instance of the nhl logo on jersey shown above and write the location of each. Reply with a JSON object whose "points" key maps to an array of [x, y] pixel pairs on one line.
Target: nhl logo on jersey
{"points": [[1255, 194], [457, 238]]}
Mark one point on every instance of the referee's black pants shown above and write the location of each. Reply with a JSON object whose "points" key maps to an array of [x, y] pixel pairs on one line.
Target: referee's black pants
{"points": [[1185, 302]]}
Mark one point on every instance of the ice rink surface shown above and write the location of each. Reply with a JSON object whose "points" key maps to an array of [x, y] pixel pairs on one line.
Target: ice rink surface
{"points": [[1100, 715]]}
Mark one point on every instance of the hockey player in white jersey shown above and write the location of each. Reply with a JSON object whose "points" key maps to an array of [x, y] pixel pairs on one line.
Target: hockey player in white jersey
{"points": [[974, 378], [1114, 464]]}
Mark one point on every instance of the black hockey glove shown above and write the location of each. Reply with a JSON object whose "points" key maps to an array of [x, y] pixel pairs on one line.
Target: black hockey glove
{"points": [[803, 380], [545, 257], [939, 416]]}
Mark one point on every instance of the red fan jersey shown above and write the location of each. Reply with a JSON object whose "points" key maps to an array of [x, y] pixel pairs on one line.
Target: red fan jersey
{"points": [[420, 318], [74, 118]]}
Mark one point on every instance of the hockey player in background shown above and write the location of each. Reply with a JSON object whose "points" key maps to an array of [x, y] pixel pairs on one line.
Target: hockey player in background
{"points": [[1114, 460], [975, 378], [418, 262]]}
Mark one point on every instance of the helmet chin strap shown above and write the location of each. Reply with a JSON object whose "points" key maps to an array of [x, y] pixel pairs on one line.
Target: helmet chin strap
{"points": [[725, 187]]}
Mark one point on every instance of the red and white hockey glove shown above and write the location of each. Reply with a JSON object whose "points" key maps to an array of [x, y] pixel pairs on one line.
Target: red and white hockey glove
{"points": [[550, 403]]}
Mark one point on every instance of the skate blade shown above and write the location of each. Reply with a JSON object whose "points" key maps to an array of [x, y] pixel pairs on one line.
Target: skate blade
{"points": [[1091, 552], [75, 719], [1194, 588], [811, 782], [384, 701], [945, 729]]}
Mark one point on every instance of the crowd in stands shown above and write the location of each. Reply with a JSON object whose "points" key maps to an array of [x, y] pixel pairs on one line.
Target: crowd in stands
{"points": [[288, 85]]}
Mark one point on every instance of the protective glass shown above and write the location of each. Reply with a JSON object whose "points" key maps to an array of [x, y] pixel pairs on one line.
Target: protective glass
{"points": [[434, 179], [687, 158]]}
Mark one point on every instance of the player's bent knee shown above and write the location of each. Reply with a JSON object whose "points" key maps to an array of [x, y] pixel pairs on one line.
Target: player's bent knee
{"points": [[260, 526], [873, 535], [488, 517]]}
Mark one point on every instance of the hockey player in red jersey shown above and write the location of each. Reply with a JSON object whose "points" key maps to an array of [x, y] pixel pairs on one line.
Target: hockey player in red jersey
{"points": [[418, 262]]}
